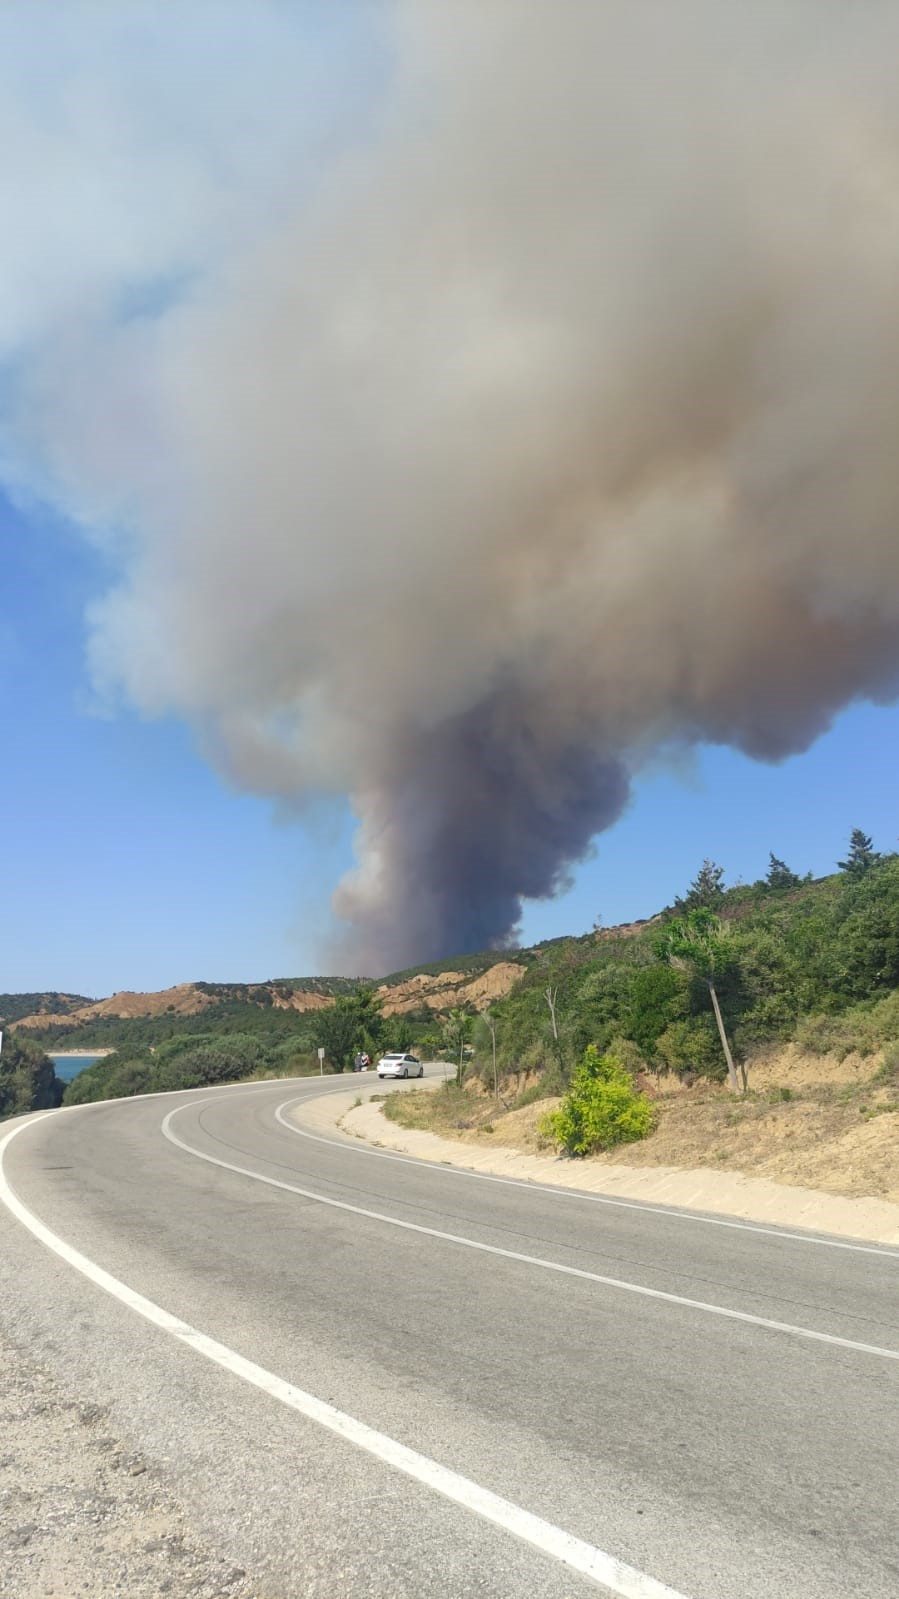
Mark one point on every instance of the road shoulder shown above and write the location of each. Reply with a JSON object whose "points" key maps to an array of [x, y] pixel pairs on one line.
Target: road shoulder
{"points": [[730, 1194]]}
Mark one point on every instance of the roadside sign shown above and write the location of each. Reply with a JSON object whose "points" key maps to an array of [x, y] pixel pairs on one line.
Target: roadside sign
{"points": [[321, 1062]]}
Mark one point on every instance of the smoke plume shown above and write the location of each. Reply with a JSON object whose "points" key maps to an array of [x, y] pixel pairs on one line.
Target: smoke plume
{"points": [[537, 417]]}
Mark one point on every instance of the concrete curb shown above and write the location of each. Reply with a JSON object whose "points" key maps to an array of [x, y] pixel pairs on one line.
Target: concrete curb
{"points": [[731, 1194]]}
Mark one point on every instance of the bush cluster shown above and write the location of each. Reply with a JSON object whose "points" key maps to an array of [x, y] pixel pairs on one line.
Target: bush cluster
{"points": [[179, 1063], [27, 1079], [601, 1109]]}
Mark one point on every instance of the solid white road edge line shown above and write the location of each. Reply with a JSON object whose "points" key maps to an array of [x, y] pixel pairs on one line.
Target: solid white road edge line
{"points": [[529, 1260], [603, 1569], [673, 1212]]}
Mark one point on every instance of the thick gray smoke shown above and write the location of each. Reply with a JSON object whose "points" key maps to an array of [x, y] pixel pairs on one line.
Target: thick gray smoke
{"points": [[551, 422]]}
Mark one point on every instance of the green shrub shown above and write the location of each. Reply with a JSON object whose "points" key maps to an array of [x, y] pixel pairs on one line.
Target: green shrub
{"points": [[862, 1029], [27, 1079], [601, 1109], [888, 1070], [529, 1095], [692, 1045]]}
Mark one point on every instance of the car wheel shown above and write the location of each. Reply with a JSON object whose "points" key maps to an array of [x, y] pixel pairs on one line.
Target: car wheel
{"points": [[405, 1071]]}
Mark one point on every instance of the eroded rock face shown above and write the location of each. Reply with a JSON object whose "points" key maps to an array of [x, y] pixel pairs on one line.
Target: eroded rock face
{"points": [[447, 989], [436, 993], [300, 999]]}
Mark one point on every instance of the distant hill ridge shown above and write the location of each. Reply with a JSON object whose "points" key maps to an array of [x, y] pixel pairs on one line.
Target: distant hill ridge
{"points": [[434, 992], [471, 980]]}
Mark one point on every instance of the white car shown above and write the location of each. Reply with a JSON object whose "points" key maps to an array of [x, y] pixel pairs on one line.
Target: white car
{"points": [[398, 1064]]}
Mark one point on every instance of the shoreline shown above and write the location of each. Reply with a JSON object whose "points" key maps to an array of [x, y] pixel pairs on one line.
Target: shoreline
{"points": [[73, 1054]]}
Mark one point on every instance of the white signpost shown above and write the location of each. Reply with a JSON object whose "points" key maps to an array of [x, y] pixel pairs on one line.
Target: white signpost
{"points": [[321, 1062]]}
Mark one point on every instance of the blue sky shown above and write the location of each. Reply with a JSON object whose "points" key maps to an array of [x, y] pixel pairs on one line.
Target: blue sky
{"points": [[128, 863]]}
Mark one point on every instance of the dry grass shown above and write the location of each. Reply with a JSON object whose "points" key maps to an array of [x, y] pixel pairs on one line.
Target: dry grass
{"points": [[808, 1121]]}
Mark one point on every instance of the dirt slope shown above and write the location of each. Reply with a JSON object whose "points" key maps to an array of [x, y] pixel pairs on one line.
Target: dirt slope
{"points": [[448, 989], [439, 993], [838, 1131]]}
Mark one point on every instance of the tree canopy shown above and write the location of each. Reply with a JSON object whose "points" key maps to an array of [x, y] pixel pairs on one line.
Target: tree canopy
{"points": [[706, 890], [27, 1078], [862, 855], [354, 1022], [779, 875]]}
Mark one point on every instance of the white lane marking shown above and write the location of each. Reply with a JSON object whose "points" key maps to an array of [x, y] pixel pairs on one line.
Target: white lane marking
{"points": [[670, 1211], [613, 1575], [529, 1260]]}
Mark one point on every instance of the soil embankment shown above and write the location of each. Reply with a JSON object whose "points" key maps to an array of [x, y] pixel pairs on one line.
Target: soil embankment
{"points": [[825, 1158]]}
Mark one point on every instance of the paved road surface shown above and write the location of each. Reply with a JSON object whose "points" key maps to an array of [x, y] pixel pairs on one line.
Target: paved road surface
{"points": [[723, 1457]]}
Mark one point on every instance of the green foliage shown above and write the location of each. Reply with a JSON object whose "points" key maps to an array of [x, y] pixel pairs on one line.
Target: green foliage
{"points": [[864, 1028], [180, 1064], [456, 1032], [815, 961], [658, 996], [601, 1109], [888, 1070], [14, 1006], [114, 1077], [27, 1079], [354, 1022], [779, 875], [531, 1095], [133, 1034], [699, 943], [549, 1085], [398, 1033], [862, 856], [706, 890], [691, 1047]]}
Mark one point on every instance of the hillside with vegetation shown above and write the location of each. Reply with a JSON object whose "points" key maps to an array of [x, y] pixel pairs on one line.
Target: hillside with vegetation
{"points": [[794, 960], [27, 1079], [21, 1007], [698, 993], [281, 1009], [755, 1027]]}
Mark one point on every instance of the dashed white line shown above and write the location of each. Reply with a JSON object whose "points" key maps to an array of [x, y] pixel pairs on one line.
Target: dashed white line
{"points": [[602, 1568]]}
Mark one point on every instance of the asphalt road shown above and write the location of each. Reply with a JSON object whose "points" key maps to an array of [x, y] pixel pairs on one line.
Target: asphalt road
{"points": [[722, 1456]]}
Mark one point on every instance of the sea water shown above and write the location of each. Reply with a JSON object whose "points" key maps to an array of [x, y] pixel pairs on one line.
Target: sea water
{"points": [[68, 1066]]}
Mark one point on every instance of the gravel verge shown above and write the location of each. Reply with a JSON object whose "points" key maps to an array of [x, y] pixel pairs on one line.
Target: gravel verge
{"points": [[82, 1512]]}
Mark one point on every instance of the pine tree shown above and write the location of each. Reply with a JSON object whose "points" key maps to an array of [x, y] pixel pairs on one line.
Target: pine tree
{"points": [[779, 874], [862, 856], [706, 890]]}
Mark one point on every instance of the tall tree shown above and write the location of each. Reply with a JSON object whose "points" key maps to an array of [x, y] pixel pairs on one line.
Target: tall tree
{"points": [[706, 890], [456, 1032], [551, 995], [490, 1023], [697, 943], [779, 874], [353, 1022], [862, 856]]}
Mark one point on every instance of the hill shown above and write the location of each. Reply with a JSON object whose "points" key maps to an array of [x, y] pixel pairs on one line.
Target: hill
{"points": [[59, 1021], [810, 962], [22, 1007]]}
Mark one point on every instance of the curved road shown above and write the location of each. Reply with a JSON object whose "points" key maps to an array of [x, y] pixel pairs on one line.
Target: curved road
{"points": [[587, 1397]]}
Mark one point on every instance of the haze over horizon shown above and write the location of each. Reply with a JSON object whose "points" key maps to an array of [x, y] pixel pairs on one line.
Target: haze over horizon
{"points": [[464, 431]]}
